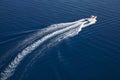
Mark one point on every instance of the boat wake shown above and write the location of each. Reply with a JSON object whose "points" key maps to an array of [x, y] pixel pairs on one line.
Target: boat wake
{"points": [[55, 33]]}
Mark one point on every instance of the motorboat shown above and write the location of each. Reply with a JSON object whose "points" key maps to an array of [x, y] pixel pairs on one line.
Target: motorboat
{"points": [[87, 22]]}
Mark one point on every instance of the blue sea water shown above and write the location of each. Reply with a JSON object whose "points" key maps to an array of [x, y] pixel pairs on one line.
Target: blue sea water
{"points": [[93, 54]]}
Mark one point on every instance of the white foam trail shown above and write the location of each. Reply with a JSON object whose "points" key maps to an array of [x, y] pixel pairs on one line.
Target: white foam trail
{"points": [[53, 42], [12, 66]]}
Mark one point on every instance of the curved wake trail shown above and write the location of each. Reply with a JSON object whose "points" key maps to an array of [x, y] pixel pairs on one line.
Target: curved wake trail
{"points": [[63, 30]]}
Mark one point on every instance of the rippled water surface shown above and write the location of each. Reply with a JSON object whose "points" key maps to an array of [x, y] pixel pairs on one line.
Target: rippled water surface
{"points": [[93, 54]]}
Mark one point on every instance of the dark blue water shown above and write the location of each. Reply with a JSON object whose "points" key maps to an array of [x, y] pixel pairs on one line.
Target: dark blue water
{"points": [[93, 54]]}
